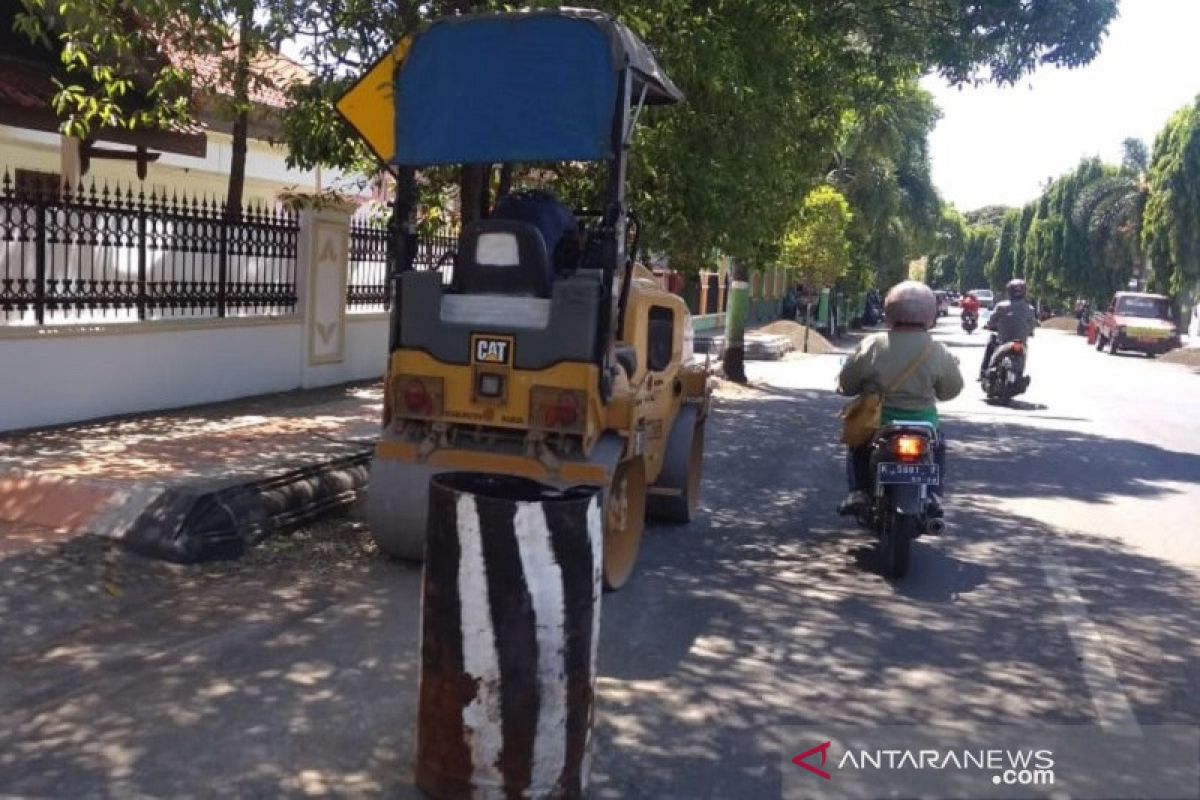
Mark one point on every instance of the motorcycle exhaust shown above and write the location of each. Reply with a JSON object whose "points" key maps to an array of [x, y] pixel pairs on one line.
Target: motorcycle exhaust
{"points": [[935, 527]]}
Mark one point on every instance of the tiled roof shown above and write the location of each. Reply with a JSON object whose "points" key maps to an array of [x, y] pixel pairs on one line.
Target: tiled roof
{"points": [[273, 74], [25, 86]]}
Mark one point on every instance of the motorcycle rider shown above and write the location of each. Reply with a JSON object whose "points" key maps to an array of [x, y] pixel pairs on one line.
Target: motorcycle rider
{"points": [[970, 305], [1013, 320], [910, 310]]}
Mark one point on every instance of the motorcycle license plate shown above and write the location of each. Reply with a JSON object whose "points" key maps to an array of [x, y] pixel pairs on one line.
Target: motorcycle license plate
{"points": [[909, 473]]}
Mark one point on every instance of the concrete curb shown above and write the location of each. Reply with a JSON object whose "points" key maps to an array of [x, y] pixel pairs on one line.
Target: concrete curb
{"points": [[200, 520], [193, 523]]}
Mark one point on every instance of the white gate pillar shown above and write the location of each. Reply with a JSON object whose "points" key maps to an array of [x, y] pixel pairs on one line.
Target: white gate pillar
{"points": [[322, 265]]}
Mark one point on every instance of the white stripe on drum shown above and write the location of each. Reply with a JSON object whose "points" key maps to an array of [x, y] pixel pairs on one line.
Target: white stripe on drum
{"points": [[543, 578], [481, 717], [595, 532]]}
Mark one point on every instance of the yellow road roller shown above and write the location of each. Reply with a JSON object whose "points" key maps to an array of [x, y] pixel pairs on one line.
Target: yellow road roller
{"points": [[546, 352]]}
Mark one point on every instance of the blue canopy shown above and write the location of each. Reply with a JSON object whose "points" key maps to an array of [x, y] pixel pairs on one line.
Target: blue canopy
{"points": [[519, 87]]}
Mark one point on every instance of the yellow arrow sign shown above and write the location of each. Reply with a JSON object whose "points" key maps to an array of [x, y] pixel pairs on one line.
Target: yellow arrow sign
{"points": [[369, 105]]}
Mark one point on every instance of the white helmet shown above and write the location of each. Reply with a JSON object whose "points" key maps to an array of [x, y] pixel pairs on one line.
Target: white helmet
{"points": [[910, 303]]}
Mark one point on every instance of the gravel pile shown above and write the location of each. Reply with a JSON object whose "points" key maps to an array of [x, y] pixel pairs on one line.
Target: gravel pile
{"points": [[1189, 356], [1061, 323], [817, 343]]}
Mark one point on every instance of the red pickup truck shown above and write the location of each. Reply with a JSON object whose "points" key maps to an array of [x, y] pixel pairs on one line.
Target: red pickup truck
{"points": [[1137, 321]]}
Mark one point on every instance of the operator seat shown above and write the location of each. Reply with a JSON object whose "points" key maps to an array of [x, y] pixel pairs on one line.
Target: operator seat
{"points": [[502, 256]]}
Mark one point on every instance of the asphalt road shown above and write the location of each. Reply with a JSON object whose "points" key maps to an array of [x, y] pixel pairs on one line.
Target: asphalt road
{"points": [[1066, 590]]}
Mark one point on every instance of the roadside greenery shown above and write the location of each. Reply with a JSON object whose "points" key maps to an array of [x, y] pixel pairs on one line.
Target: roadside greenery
{"points": [[818, 243], [783, 98], [1096, 230], [137, 65]]}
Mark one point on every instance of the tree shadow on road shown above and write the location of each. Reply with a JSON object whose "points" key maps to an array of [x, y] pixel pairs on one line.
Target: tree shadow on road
{"points": [[758, 614], [1019, 459], [291, 674], [297, 678]]}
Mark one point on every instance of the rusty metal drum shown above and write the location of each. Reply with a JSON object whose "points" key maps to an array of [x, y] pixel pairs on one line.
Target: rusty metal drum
{"points": [[510, 619]]}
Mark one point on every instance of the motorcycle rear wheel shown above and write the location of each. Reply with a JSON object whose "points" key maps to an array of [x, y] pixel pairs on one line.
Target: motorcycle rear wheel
{"points": [[896, 543]]}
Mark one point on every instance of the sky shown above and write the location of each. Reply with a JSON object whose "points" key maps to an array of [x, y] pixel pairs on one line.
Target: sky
{"points": [[999, 145]]}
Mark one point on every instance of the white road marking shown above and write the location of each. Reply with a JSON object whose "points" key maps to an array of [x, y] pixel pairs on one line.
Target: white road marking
{"points": [[543, 578], [1108, 698], [481, 717]]}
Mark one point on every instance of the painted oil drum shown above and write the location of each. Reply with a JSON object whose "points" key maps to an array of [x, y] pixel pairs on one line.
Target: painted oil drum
{"points": [[510, 619]]}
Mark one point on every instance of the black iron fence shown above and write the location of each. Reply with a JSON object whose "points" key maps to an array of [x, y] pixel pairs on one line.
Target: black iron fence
{"points": [[366, 285], [89, 254]]}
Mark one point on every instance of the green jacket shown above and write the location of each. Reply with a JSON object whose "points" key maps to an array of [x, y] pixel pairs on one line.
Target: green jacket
{"points": [[881, 357]]}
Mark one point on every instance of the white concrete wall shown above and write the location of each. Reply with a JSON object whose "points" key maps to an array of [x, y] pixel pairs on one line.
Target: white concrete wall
{"points": [[366, 346], [63, 374], [66, 373]]}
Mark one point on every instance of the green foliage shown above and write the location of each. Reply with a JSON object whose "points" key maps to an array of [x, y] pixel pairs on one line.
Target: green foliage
{"points": [[111, 73], [882, 166], [946, 250], [1135, 157], [125, 64], [1077, 240], [991, 216], [777, 93], [1171, 230], [770, 85], [978, 252], [817, 246], [1003, 264]]}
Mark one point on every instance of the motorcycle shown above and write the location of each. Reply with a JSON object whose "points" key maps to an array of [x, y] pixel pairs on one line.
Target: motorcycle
{"points": [[970, 320], [903, 468], [1005, 377]]}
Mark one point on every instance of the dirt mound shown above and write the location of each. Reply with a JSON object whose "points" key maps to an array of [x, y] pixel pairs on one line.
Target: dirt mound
{"points": [[816, 342], [1060, 323], [1189, 356]]}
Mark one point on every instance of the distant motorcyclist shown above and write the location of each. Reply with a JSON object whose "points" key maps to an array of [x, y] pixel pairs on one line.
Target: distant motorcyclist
{"points": [[1013, 320], [1083, 314], [970, 305], [881, 358], [872, 308]]}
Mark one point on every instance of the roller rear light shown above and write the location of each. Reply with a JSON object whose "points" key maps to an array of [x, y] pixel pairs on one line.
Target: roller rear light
{"points": [[417, 396], [557, 409]]}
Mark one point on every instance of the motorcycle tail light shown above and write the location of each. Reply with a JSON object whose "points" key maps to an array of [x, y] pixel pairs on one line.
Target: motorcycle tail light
{"points": [[908, 448], [1018, 348]]}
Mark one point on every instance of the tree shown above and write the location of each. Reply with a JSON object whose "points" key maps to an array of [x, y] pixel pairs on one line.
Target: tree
{"points": [[817, 246], [1002, 267], [946, 250], [1171, 228], [109, 48], [979, 250], [1078, 239], [113, 74], [1109, 211], [1135, 157], [882, 166], [768, 85]]}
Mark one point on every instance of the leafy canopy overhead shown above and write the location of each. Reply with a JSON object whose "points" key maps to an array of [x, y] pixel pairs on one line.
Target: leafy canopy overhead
{"points": [[777, 92]]}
